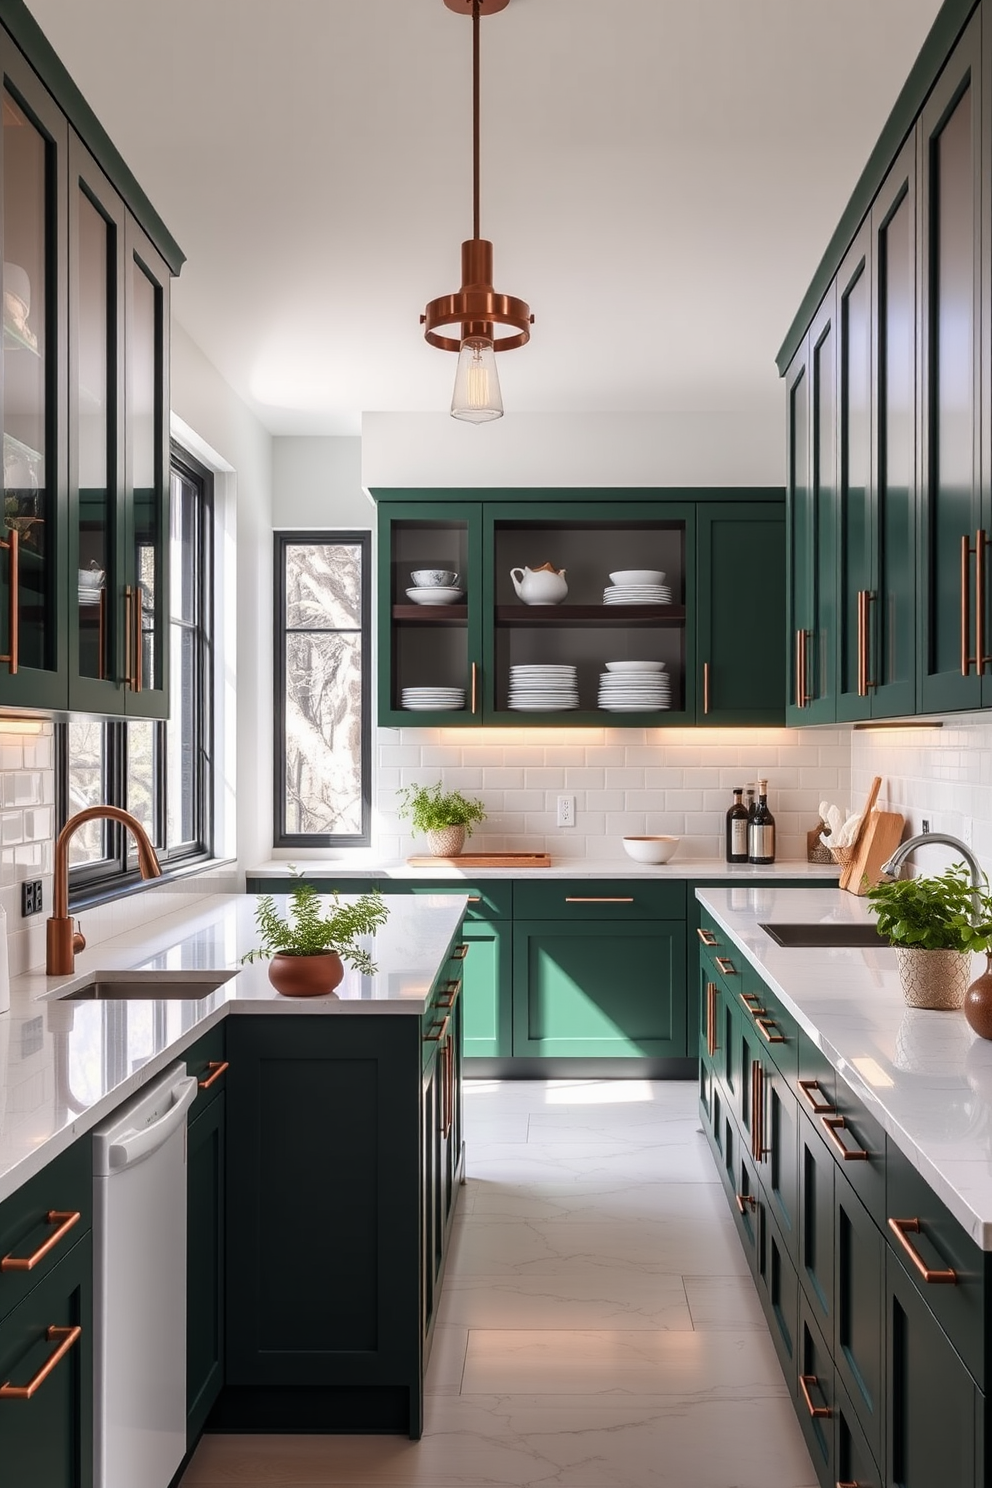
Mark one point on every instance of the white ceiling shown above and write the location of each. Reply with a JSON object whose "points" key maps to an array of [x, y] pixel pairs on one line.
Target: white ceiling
{"points": [[660, 178]]}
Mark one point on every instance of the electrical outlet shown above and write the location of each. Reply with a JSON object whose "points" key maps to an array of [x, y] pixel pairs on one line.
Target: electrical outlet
{"points": [[926, 824], [31, 900], [566, 811]]}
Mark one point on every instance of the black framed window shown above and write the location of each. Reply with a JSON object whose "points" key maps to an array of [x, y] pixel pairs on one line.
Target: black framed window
{"points": [[158, 771], [322, 710]]}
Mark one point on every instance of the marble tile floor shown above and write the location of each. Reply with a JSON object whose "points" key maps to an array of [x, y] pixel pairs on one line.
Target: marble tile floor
{"points": [[598, 1327]]}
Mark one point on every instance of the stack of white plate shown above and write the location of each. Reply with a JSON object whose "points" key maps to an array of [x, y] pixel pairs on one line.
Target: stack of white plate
{"points": [[637, 594], [541, 689], [634, 686], [88, 595], [433, 699]]}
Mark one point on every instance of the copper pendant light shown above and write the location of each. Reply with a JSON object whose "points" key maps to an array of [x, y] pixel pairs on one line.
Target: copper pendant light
{"points": [[477, 308]]}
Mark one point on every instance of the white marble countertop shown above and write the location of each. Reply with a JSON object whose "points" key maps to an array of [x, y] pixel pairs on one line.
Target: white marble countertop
{"points": [[924, 1075], [622, 867], [65, 1065]]}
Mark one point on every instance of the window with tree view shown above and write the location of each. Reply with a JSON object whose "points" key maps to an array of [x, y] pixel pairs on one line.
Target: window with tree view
{"points": [[322, 711]]}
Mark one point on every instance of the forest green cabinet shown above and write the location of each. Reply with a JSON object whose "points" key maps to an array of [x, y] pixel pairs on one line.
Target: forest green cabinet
{"points": [[708, 549], [487, 997], [859, 1318]]}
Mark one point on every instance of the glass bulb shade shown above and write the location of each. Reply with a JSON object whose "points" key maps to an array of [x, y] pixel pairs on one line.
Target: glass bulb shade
{"points": [[477, 398]]}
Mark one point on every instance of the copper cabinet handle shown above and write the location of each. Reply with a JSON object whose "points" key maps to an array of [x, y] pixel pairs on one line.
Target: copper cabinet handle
{"points": [[870, 597], [101, 636], [726, 965], [575, 899], [438, 1033], [129, 637], [475, 898], [475, 686], [706, 687], [67, 1337], [711, 1018], [450, 1081], [217, 1067], [832, 1125], [758, 1148], [981, 544], [801, 699], [452, 990], [965, 603], [848, 1485], [460, 952], [750, 999], [138, 682], [742, 1200], [770, 1038], [862, 672], [818, 1107], [13, 599], [64, 1219], [707, 937], [805, 1380], [902, 1228]]}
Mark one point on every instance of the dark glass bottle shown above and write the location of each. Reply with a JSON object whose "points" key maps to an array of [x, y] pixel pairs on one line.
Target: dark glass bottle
{"points": [[737, 828], [761, 829]]}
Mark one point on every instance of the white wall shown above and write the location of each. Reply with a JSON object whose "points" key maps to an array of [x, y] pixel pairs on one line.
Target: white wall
{"points": [[317, 482], [594, 449]]}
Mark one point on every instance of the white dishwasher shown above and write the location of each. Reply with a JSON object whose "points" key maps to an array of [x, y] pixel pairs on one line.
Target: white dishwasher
{"points": [[139, 1191]]}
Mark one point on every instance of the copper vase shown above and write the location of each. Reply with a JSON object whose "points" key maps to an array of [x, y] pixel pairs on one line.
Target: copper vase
{"points": [[978, 1001], [306, 976]]}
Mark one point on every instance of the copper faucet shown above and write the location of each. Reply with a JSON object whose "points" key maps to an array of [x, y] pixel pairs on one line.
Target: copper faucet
{"points": [[63, 940]]}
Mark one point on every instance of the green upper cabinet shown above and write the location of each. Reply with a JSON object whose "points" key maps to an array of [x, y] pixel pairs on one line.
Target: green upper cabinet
{"points": [[853, 435], [705, 549], [740, 571]]}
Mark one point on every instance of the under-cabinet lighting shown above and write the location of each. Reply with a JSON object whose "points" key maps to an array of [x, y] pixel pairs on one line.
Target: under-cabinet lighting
{"points": [[901, 725], [21, 725], [873, 1072]]}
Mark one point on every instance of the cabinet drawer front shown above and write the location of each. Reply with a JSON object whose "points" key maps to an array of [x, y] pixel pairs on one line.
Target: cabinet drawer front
{"points": [[763, 1011], [39, 1213], [486, 901], [815, 1392], [207, 1060], [778, 1292], [859, 1331], [939, 1245], [816, 1084], [817, 1171], [858, 1143], [855, 1462], [592, 899]]}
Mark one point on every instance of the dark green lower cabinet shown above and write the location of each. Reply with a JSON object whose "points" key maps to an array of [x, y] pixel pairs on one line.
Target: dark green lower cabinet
{"points": [[597, 990], [778, 1290], [487, 997], [47, 1441], [815, 1395], [816, 1224], [932, 1401], [859, 1334], [324, 1196], [855, 1464], [205, 1237]]}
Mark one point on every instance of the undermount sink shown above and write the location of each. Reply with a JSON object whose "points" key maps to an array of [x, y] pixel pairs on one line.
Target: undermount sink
{"points": [[153, 986], [793, 936]]}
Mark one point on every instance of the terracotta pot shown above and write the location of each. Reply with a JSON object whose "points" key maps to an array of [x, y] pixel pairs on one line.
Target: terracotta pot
{"points": [[978, 1002], [306, 976], [446, 842], [933, 979]]}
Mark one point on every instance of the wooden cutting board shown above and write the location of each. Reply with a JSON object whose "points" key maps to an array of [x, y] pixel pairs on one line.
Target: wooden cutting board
{"points": [[879, 839], [486, 860]]}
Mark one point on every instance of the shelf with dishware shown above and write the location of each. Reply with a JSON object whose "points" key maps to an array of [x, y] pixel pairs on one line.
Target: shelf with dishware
{"points": [[527, 611]]}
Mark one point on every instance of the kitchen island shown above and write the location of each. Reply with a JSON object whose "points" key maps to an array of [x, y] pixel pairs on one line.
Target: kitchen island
{"points": [[325, 1154], [853, 1136]]}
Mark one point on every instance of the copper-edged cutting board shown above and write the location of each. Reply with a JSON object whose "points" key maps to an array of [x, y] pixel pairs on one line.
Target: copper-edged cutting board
{"points": [[486, 860]]}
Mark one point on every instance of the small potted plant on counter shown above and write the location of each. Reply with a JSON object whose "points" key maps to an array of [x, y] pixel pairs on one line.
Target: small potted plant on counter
{"points": [[934, 928], [443, 817], [307, 947]]}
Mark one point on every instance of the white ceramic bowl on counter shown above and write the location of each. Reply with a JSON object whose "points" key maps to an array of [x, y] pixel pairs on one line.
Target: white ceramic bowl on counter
{"points": [[651, 849]]}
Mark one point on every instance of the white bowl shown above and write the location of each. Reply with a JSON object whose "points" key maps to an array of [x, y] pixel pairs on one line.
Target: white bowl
{"points": [[434, 578], [651, 849], [628, 576]]}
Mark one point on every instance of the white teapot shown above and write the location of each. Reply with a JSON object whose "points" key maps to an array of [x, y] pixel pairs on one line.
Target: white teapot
{"points": [[540, 586]]}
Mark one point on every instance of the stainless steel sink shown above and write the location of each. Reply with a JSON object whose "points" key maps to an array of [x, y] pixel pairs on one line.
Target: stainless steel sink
{"points": [[828, 934], [153, 986]]}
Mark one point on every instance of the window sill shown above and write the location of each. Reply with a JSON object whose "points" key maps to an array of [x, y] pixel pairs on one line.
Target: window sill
{"points": [[124, 887]]}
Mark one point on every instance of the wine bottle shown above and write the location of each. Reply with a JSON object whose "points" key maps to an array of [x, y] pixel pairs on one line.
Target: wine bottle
{"points": [[737, 828], [761, 829]]}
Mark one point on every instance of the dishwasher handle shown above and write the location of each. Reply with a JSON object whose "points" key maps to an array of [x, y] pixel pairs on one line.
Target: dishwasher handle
{"points": [[135, 1145]]}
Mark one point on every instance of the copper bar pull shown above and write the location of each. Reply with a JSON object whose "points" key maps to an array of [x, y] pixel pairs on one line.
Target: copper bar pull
{"points": [[981, 659], [818, 1107], [711, 1018], [101, 639], [66, 1338], [13, 599], [805, 1380], [64, 1219], [744, 1201], [217, 1067], [902, 1228], [870, 598], [862, 682], [706, 687], [707, 937], [460, 951], [598, 899], [965, 603], [475, 686], [138, 683], [726, 965], [832, 1125], [800, 669], [128, 601], [770, 1038], [438, 1033]]}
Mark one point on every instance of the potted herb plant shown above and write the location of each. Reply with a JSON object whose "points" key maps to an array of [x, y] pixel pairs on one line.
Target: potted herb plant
{"points": [[933, 925], [307, 947], [443, 817]]}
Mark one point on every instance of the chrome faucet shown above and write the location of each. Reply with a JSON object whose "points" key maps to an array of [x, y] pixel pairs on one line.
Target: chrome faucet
{"points": [[902, 852], [63, 939]]}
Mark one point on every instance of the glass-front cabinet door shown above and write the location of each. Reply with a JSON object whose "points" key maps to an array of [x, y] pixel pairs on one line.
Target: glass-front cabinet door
{"points": [[96, 438], [146, 464], [430, 614], [33, 565], [586, 618]]}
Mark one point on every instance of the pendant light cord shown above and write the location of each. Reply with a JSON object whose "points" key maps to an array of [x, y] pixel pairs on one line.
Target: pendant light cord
{"points": [[475, 119]]}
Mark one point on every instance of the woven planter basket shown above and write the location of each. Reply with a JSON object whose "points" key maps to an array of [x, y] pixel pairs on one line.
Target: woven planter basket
{"points": [[446, 842], [933, 979]]}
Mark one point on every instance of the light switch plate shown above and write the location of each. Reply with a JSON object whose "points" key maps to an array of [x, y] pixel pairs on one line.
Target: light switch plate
{"points": [[566, 811]]}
